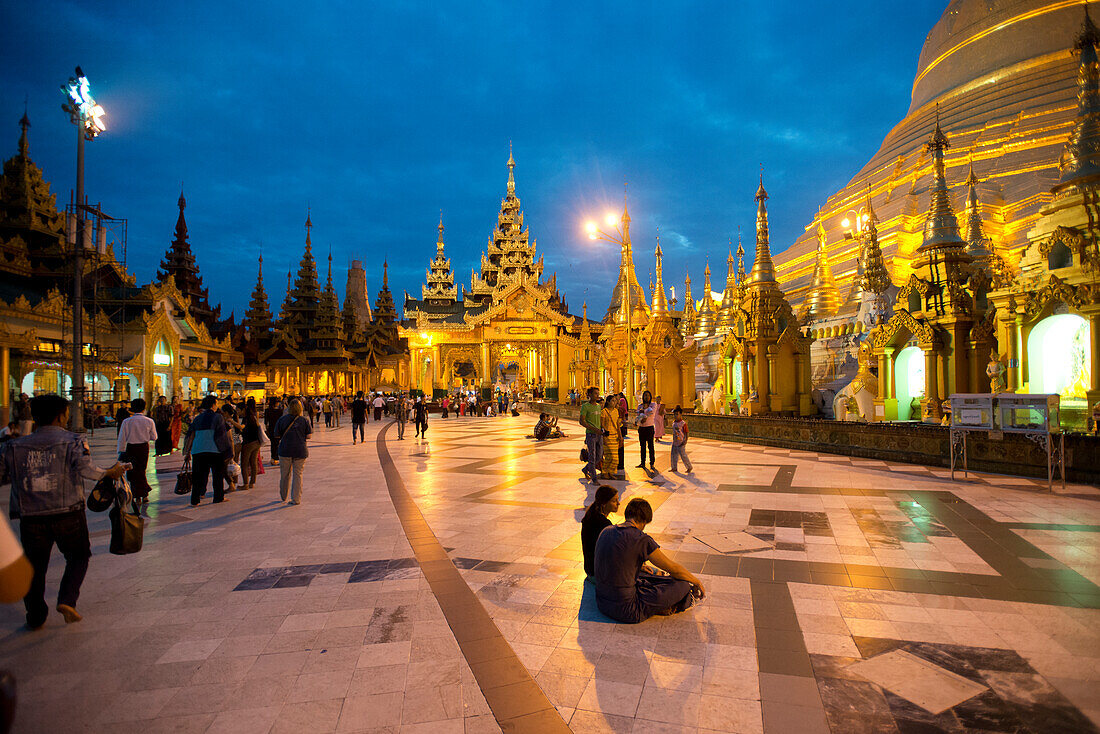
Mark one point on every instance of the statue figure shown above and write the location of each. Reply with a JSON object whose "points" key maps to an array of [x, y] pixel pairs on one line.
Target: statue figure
{"points": [[945, 408], [996, 372]]}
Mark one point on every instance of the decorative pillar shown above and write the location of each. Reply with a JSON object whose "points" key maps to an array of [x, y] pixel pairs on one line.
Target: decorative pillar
{"points": [[1094, 355], [931, 382], [884, 375], [1023, 373], [5, 379]]}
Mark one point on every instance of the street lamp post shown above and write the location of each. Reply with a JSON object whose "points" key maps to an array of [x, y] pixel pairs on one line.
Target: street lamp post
{"points": [[87, 116], [618, 234]]}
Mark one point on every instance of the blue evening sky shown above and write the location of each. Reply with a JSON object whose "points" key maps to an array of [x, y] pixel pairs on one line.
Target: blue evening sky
{"points": [[378, 115]]}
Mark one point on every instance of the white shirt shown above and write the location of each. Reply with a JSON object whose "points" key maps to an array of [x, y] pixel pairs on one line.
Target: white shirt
{"points": [[138, 428], [379, 402]]}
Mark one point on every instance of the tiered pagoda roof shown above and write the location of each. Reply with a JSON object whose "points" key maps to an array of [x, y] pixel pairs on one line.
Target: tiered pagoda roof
{"points": [[440, 288], [179, 265]]}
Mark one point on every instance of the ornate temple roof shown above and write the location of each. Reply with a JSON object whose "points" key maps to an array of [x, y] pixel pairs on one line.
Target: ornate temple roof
{"points": [[257, 319], [763, 272], [704, 319], [509, 254], [439, 287], [179, 265]]}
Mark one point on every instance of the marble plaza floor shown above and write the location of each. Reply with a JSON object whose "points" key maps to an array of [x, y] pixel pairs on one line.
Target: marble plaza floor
{"points": [[436, 586]]}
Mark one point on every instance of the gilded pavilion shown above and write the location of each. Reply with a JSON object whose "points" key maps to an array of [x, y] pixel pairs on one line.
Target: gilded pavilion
{"points": [[511, 329]]}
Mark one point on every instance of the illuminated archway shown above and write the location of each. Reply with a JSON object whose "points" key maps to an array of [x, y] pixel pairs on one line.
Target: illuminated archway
{"points": [[1058, 357], [908, 380]]}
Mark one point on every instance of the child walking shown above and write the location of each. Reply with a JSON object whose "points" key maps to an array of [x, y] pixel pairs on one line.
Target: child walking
{"points": [[680, 439]]}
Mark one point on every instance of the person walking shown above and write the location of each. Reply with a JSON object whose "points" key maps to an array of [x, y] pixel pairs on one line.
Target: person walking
{"points": [[680, 439], [208, 444], [326, 409], [446, 404], [358, 417], [609, 422], [647, 409], [120, 415], [593, 434], [272, 414], [162, 418], [379, 403], [401, 414], [251, 440], [420, 415], [47, 470], [292, 431], [133, 446], [337, 409]]}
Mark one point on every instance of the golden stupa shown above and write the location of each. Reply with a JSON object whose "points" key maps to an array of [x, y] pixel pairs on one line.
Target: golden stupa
{"points": [[1004, 81]]}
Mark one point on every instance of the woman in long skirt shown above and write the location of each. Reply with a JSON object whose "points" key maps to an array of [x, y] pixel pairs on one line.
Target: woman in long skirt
{"points": [[659, 420], [177, 421], [162, 417], [610, 423]]}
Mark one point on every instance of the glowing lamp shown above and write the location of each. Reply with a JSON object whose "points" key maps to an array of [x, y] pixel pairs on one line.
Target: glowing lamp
{"points": [[590, 228], [845, 223], [611, 220], [82, 106]]}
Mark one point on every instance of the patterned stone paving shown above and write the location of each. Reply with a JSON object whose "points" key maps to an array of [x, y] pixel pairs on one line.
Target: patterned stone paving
{"points": [[435, 586]]}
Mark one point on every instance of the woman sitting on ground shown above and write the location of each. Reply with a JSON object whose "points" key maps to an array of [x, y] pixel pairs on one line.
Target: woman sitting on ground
{"points": [[624, 590], [594, 521]]}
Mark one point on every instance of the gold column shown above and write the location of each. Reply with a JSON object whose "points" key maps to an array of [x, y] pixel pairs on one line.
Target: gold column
{"points": [[884, 375], [1094, 352], [891, 383], [1012, 356], [931, 381], [1023, 373]]}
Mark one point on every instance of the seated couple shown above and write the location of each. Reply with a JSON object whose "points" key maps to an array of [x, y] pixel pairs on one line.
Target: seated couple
{"points": [[617, 558], [547, 427]]}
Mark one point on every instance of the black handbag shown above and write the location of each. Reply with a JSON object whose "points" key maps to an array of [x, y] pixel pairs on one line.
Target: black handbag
{"points": [[127, 530], [183, 479]]}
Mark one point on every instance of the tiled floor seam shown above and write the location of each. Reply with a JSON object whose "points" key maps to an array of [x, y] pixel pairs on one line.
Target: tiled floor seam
{"points": [[517, 702]]}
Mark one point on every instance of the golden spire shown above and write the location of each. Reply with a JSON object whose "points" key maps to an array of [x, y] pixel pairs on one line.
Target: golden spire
{"points": [[1081, 157], [439, 242], [511, 171], [941, 226], [763, 271], [730, 297], [687, 316], [628, 279], [660, 304], [976, 242], [309, 223], [740, 259], [823, 300], [874, 278], [704, 324]]}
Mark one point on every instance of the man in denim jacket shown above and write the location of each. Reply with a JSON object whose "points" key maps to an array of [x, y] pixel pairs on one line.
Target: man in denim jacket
{"points": [[47, 470]]}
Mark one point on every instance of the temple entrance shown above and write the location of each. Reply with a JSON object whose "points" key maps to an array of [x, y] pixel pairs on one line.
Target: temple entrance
{"points": [[1058, 358], [463, 374], [509, 374], [162, 370], [909, 381]]}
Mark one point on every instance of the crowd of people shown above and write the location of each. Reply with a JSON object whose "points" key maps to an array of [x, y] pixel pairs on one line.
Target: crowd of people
{"points": [[605, 421]]}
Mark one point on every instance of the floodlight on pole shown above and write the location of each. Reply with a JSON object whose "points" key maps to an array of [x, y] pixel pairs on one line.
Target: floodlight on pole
{"points": [[87, 116]]}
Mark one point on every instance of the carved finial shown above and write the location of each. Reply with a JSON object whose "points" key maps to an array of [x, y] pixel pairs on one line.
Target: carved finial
{"points": [[24, 123], [511, 171], [763, 271], [309, 226]]}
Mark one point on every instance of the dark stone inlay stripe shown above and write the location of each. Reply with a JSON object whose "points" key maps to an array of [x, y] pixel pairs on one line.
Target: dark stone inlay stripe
{"points": [[517, 702]]}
